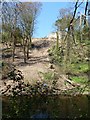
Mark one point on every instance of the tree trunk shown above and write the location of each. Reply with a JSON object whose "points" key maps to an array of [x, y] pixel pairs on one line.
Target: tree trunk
{"points": [[57, 46], [13, 49], [30, 43], [24, 50], [28, 48]]}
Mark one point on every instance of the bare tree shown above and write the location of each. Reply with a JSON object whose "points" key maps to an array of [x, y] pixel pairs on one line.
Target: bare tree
{"points": [[20, 17], [9, 22], [85, 12], [28, 15]]}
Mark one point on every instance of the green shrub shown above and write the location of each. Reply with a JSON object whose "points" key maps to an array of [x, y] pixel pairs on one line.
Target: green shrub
{"points": [[80, 79]]}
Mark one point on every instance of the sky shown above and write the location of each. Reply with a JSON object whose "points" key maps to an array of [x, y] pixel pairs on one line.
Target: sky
{"points": [[48, 15]]}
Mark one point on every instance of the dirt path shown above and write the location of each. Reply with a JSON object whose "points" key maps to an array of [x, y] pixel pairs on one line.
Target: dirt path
{"points": [[38, 61]]}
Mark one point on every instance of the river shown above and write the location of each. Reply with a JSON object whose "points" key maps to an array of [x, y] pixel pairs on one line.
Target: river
{"points": [[46, 107]]}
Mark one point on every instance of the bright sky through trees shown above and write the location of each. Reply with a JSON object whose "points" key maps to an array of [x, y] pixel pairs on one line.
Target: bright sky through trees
{"points": [[47, 17]]}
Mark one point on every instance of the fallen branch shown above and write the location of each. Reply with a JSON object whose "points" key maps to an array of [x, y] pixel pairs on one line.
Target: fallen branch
{"points": [[8, 87], [70, 82]]}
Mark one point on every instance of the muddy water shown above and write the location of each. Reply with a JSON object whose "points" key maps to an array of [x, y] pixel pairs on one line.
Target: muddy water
{"points": [[46, 107]]}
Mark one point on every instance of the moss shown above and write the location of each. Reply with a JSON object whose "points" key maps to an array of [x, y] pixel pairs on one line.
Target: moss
{"points": [[78, 68], [80, 79]]}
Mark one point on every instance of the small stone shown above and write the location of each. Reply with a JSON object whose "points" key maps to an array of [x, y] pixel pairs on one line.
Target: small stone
{"points": [[18, 77], [87, 59]]}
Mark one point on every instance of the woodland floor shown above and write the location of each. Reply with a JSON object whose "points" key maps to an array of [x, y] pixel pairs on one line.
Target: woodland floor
{"points": [[38, 62]]}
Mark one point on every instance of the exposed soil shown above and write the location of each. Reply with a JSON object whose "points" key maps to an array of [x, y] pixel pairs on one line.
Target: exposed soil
{"points": [[37, 63]]}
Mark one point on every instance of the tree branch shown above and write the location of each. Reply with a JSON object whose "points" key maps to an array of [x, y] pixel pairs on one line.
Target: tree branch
{"points": [[80, 4], [85, 12]]}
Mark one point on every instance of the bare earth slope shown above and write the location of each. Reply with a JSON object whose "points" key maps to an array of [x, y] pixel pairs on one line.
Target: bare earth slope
{"points": [[38, 61]]}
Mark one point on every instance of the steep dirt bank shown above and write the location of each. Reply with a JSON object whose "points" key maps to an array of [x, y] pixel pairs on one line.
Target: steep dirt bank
{"points": [[38, 62]]}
